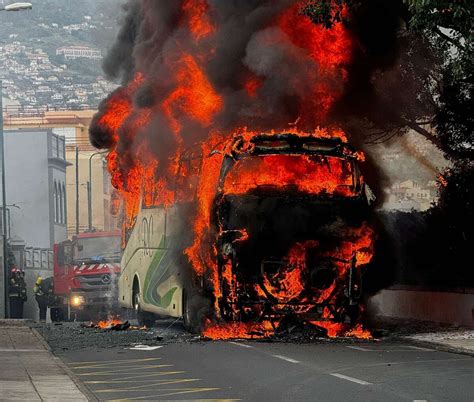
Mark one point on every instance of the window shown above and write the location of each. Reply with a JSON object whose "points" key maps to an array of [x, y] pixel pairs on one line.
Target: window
{"points": [[61, 148], [58, 147], [56, 206], [61, 204], [55, 146], [64, 204]]}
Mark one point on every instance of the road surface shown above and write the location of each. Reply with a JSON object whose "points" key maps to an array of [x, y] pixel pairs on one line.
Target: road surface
{"points": [[269, 371]]}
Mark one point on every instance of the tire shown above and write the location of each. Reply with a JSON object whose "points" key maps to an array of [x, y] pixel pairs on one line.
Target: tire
{"points": [[187, 314], [195, 310], [353, 312], [56, 314], [144, 318]]}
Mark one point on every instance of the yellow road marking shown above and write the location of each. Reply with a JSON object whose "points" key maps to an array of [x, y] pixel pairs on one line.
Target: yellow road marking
{"points": [[132, 381], [124, 370], [138, 387], [179, 391], [114, 361], [158, 374], [194, 400], [109, 367]]}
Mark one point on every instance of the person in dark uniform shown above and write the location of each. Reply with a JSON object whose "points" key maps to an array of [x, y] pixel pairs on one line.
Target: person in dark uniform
{"points": [[16, 293], [41, 296]]}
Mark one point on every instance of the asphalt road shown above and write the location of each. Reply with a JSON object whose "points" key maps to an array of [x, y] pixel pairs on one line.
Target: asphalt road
{"points": [[259, 371]]}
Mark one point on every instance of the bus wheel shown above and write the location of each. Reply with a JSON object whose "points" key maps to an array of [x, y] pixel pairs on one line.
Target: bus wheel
{"points": [[187, 319], [353, 312], [195, 310], [144, 319]]}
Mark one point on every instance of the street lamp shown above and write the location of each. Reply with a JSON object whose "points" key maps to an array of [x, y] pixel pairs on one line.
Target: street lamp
{"points": [[89, 187], [10, 7], [17, 7]]}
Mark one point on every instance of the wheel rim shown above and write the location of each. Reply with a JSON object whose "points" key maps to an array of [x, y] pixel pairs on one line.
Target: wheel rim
{"points": [[136, 301], [186, 317]]}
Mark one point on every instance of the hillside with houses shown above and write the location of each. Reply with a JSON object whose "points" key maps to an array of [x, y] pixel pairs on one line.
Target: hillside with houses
{"points": [[50, 57]]}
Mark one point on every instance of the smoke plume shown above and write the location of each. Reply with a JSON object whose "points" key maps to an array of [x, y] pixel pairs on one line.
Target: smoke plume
{"points": [[194, 68]]}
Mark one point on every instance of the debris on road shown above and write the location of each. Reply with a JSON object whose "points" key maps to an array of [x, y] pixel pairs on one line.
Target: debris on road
{"points": [[113, 324]]}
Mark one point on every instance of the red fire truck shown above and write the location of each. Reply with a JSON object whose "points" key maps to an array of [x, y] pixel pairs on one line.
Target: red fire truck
{"points": [[86, 271]]}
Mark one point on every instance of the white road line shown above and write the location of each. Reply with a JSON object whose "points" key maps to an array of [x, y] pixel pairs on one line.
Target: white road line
{"points": [[352, 379], [145, 347], [418, 348], [5, 350], [360, 348], [287, 359], [241, 344]]}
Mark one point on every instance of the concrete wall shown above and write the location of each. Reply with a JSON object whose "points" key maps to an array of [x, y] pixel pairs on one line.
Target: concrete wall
{"points": [[455, 307]]}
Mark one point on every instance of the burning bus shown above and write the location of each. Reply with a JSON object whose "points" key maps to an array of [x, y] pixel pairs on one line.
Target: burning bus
{"points": [[223, 225], [274, 227]]}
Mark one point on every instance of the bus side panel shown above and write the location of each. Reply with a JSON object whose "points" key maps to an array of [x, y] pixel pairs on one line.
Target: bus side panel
{"points": [[140, 253], [154, 254], [179, 237]]}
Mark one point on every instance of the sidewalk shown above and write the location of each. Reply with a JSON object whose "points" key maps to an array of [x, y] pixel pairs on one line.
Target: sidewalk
{"points": [[460, 340], [28, 370]]}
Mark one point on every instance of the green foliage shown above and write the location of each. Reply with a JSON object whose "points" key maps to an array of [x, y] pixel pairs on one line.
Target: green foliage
{"points": [[454, 120], [324, 12]]}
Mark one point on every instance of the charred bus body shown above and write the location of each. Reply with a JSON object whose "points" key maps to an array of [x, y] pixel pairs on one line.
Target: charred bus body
{"points": [[285, 222], [289, 214]]}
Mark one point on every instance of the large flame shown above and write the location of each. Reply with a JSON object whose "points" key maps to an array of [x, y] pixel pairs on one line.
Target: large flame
{"points": [[188, 107]]}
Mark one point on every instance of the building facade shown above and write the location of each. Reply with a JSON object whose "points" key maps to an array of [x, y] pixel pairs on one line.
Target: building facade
{"points": [[36, 195], [74, 127], [79, 52], [35, 167]]}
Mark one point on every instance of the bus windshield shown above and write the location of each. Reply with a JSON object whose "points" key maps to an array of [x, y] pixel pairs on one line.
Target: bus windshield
{"points": [[312, 174]]}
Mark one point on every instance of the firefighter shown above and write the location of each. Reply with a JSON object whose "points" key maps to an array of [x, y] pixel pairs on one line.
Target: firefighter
{"points": [[16, 293], [41, 296]]}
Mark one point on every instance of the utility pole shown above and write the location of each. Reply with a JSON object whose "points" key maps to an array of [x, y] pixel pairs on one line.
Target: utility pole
{"points": [[4, 207], [77, 190], [89, 206]]}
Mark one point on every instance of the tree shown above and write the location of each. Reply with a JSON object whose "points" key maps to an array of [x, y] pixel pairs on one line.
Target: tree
{"points": [[434, 59]]}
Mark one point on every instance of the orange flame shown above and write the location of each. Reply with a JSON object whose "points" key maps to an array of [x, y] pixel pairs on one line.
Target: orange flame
{"points": [[192, 103]]}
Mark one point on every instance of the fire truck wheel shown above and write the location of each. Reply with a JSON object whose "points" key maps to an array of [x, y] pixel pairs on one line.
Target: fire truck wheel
{"points": [[143, 318], [57, 314]]}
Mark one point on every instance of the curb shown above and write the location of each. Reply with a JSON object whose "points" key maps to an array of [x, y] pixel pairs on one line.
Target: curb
{"points": [[87, 393], [439, 346]]}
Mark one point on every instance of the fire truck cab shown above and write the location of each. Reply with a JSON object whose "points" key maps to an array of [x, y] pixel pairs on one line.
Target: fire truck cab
{"points": [[85, 275]]}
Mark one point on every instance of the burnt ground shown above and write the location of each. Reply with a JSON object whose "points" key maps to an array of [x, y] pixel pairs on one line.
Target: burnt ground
{"points": [[74, 336]]}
